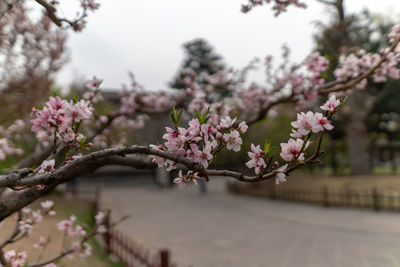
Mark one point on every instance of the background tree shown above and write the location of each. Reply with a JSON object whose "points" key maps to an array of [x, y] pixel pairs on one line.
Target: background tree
{"points": [[201, 58], [69, 129], [31, 52], [362, 31]]}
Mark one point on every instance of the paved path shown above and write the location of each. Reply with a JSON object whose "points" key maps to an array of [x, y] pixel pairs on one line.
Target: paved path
{"points": [[220, 229]]}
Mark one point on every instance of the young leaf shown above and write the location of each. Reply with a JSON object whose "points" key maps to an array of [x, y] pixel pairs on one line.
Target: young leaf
{"points": [[173, 115], [267, 146], [199, 117], [173, 118], [179, 115]]}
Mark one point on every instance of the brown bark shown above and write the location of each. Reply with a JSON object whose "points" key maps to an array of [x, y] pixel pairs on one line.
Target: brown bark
{"points": [[354, 117]]}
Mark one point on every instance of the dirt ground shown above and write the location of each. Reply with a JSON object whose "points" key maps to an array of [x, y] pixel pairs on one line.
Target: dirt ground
{"points": [[48, 228]]}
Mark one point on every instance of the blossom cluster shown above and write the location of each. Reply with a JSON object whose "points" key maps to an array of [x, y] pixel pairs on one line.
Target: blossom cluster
{"points": [[294, 150], [90, 4], [9, 135], [73, 230], [299, 82], [199, 143], [355, 64], [61, 119], [306, 124], [80, 23], [27, 218], [201, 93], [136, 100], [316, 64]]}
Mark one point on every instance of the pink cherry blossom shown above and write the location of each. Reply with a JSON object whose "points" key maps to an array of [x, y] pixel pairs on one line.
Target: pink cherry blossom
{"points": [[99, 218], [304, 123], [280, 174], [37, 216], [233, 140], [193, 153], [206, 155], [47, 166], [394, 33], [182, 180], [256, 159], [64, 225], [91, 5], [291, 150], [331, 104], [160, 161], [86, 250], [40, 243], [227, 122], [95, 82], [321, 123], [242, 128], [208, 131]]}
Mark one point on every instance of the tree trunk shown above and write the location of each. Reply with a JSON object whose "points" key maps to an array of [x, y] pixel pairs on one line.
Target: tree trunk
{"points": [[354, 116]]}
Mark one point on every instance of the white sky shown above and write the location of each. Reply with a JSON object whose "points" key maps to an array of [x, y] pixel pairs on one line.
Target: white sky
{"points": [[146, 36]]}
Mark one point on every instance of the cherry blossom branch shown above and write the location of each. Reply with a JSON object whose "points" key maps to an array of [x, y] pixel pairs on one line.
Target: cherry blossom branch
{"points": [[64, 253], [3, 260], [332, 87], [17, 201], [50, 12], [14, 234], [60, 256], [21, 179]]}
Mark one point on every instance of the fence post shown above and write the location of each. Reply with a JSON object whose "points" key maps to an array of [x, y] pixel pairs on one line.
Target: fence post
{"points": [[164, 257], [107, 235], [96, 203], [375, 199], [325, 195]]}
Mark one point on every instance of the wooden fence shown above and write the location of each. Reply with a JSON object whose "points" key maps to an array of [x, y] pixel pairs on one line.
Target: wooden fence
{"points": [[372, 199], [128, 252]]}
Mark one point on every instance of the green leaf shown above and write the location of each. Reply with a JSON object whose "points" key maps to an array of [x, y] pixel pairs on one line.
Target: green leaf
{"points": [[199, 117], [173, 118], [344, 101], [271, 149], [206, 112], [341, 104], [173, 115], [83, 140], [180, 114], [267, 146]]}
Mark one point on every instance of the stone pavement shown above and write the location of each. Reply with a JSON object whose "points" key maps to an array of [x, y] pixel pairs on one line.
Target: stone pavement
{"points": [[220, 229]]}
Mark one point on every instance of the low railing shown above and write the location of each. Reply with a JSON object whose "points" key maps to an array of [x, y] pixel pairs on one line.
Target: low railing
{"points": [[349, 198], [128, 252]]}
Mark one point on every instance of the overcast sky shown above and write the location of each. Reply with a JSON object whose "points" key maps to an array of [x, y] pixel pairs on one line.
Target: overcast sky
{"points": [[146, 37]]}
